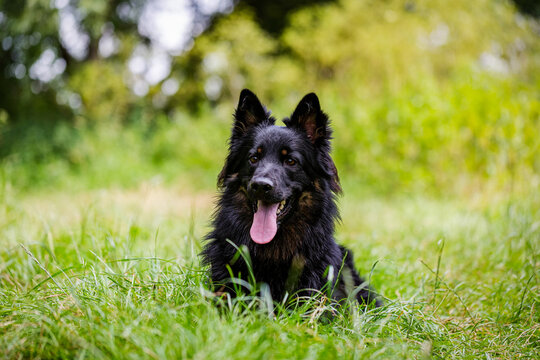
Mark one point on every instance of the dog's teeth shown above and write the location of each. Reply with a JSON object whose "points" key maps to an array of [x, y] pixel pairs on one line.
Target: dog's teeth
{"points": [[280, 207]]}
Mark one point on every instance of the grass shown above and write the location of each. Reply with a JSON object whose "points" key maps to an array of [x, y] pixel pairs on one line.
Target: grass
{"points": [[115, 274]]}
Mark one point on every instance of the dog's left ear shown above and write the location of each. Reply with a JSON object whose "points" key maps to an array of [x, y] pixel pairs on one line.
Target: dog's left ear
{"points": [[309, 117]]}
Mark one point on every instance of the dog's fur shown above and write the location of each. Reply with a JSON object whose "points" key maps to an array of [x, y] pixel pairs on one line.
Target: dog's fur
{"points": [[267, 164]]}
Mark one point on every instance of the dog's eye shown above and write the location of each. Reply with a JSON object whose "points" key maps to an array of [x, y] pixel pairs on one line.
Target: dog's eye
{"points": [[253, 159], [290, 161]]}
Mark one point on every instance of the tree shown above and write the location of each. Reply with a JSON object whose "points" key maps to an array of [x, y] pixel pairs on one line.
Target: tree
{"points": [[44, 43]]}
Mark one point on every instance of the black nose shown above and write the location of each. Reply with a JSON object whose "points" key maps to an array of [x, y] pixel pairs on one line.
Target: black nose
{"points": [[261, 186]]}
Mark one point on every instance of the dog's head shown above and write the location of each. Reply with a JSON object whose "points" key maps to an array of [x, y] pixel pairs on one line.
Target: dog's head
{"points": [[276, 168]]}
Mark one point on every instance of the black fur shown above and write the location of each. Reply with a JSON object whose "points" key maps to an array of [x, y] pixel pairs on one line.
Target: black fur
{"points": [[268, 163]]}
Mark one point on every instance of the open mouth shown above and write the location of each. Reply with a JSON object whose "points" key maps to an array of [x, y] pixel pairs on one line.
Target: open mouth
{"points": [[282, 209], [266, 218]]}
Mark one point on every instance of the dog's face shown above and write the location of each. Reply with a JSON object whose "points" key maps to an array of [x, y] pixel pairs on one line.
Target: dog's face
{"points": [[274, 169]]}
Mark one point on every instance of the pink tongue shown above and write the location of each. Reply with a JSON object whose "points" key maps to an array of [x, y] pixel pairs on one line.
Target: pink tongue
{"points": [[264, 225]]}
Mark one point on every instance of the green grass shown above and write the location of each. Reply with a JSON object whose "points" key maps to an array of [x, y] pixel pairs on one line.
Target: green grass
{"points": [[115, 274]]}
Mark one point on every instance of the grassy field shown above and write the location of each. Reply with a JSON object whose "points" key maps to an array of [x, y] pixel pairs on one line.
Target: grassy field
{"points": [[114, 273]]}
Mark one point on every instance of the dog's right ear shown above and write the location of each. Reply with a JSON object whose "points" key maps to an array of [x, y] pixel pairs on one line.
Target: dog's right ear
{"points": [[249, 113]]}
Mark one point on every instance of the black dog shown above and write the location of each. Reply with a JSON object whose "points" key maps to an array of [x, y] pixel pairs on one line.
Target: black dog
{"points": [[278, 199]]}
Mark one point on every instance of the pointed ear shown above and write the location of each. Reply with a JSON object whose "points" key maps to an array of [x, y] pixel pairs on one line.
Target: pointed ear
{"points": [[249, 112], [308, 117]]}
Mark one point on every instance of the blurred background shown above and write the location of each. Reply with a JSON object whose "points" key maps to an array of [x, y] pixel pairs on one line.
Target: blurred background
{"points": [[431, 97]]}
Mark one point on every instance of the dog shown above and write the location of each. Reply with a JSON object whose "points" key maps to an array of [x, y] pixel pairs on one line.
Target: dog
{"points": [[278, 201]]}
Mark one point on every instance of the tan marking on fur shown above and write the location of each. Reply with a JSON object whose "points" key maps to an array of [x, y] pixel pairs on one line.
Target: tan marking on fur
{"points": [[306, 200], [259, 150], [284, 152], [317, 185]]}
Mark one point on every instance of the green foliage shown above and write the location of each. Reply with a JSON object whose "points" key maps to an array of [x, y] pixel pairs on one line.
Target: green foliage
{"points": [[423, 96], [476, 126], [31, 28], [363, 47], [111, 154], [237, 53], [103, 93]]}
